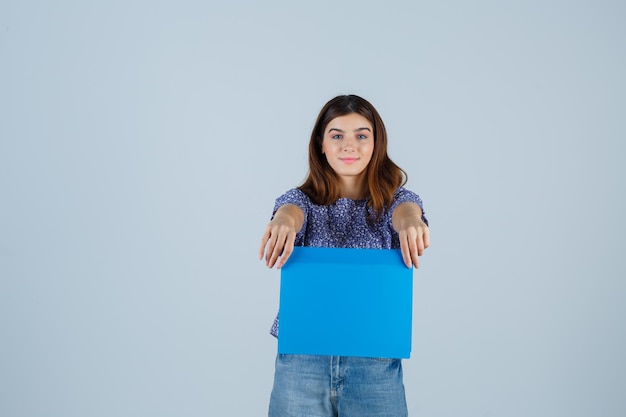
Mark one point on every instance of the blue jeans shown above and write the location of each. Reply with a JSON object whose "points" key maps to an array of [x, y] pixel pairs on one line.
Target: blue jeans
{"points": [[337, 386]]}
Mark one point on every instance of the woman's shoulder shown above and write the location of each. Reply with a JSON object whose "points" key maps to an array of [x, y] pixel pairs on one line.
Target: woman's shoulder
{"points": [[402, 192], [402, 195], [294, 196], [295, 193]]}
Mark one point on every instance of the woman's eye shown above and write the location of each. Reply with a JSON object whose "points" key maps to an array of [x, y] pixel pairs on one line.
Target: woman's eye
{"points": [[337, 137], [362, 136]]}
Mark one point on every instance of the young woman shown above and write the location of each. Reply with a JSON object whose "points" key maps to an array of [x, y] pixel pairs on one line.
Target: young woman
{"points": [[353, 197]]}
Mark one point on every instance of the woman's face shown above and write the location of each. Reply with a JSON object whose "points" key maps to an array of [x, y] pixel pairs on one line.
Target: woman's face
{"points": [[348, 145]]}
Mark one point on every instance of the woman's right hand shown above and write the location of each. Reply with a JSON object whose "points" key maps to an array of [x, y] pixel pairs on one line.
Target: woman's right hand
{"points": [[280, 234]]}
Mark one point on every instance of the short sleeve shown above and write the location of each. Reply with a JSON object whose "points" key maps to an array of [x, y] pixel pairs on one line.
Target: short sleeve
{"points": [[298, 198], [402, 195]]}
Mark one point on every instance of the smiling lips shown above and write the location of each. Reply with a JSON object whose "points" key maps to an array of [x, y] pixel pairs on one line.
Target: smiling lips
{"points": [[348, 160]]}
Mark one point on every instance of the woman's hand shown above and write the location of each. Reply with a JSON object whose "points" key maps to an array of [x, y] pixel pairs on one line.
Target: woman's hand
{"points": [[280, 234], [413, 232]]}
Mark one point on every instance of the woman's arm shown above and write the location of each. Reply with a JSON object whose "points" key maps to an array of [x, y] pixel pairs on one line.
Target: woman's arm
{"points": [[413, 232], [280, 234]]}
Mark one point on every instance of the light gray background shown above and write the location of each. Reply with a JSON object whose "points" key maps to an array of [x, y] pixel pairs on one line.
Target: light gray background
{"points": [[142, 145]]}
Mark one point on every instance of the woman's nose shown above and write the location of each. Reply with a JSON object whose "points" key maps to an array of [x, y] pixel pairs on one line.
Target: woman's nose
{"points": [[349, 143]]}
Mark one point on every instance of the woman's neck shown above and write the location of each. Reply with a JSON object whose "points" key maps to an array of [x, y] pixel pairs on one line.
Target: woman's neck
{"points": [[354, 188]]}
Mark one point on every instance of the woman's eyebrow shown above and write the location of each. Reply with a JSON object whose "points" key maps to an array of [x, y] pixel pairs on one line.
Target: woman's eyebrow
{"points": [[356, 130]]}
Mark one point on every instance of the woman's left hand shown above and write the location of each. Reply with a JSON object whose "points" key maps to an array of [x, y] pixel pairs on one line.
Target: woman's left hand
{"points": [[413, 232]]}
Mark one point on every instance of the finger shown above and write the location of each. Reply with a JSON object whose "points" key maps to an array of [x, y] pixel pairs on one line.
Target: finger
{"points": [[426, 237], [287, 250], [264, 240], [269, 249], [278, 248], [414, 250], [404, 249], [420, 244], [273, 253], [415, 247]]}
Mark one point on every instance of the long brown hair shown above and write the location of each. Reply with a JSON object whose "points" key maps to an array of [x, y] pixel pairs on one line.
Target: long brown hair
{"points": [[383, 176]]}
